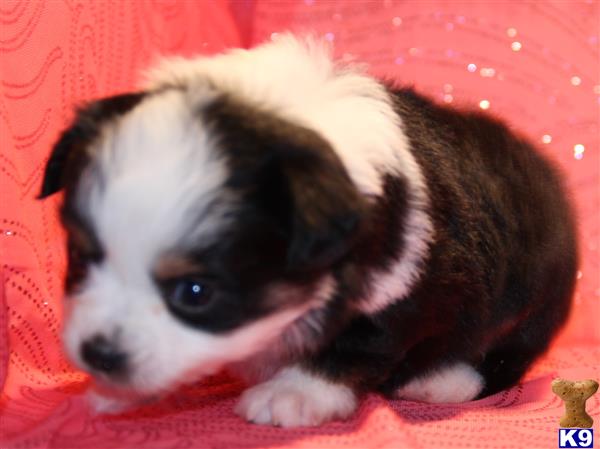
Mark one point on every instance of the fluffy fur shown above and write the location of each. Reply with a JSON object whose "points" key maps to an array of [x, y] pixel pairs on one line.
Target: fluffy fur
{"points": [[301, 223], [294, 397], [449, 384]]}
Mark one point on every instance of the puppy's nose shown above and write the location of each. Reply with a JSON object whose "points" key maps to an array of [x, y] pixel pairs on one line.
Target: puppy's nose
{"points": [[101, 355]]}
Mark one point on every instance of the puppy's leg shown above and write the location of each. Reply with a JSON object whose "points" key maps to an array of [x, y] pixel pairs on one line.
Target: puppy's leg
{"points": [[505, 364], [296, 397], [454, 383]]}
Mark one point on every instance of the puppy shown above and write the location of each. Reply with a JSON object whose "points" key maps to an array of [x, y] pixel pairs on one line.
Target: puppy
{"points": [[309, 227]]}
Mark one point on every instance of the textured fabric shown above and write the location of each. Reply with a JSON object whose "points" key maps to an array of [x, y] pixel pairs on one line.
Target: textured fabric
{"points": [[536, 65]]}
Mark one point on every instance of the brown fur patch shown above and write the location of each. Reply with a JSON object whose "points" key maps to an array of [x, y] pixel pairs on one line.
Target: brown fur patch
{"points": [[170, 266]]}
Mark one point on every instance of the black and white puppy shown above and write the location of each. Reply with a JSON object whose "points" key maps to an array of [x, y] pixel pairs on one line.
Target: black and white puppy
{"points": [[299, 222]]}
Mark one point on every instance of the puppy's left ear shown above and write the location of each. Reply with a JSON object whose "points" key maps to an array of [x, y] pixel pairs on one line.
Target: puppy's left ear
{"points": [[327, 209], [294, 178], [69, 152]]}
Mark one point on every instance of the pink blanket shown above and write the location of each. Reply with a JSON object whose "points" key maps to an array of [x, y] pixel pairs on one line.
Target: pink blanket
{"points": [[535, 64]]}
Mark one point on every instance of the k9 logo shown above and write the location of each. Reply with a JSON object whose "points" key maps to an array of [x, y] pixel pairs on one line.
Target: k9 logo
{"points": [[576, 438]]}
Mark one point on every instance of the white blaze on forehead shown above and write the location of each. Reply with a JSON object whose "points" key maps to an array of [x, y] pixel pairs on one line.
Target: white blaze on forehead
{"points": [[159, 170], [298, 80]]}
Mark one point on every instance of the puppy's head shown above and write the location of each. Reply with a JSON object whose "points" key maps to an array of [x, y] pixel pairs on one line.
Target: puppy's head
{"points": [[200, 229]]}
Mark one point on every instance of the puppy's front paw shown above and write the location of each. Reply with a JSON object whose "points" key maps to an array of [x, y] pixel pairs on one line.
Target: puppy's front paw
{"points": [[296, 398]]}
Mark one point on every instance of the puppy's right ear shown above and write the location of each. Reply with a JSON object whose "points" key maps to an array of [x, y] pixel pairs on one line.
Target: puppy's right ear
{"points": [[69, 153]]}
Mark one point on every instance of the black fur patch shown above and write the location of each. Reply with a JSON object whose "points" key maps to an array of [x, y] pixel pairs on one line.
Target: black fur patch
{"points": [[501, 271], [290, 175], [83, 247]]}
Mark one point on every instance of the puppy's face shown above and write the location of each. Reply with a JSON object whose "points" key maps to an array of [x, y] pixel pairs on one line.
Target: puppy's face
{"points": [[200, 231]]}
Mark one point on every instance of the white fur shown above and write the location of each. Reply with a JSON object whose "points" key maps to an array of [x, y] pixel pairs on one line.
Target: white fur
{"points": [[451, 384], [295, 397], [297, 79], [158, 172], [103, 404], [396, 283]]}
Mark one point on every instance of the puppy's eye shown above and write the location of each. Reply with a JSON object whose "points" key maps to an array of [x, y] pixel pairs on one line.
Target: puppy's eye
{"points": [[76, 257], [189, 295], [77, 267]]}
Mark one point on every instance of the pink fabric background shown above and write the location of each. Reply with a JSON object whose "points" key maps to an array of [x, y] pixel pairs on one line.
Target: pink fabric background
{"points": [[56, 54]]}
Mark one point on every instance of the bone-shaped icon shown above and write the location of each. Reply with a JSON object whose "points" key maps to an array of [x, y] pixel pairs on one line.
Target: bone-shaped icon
{"points": [[574, 395]]}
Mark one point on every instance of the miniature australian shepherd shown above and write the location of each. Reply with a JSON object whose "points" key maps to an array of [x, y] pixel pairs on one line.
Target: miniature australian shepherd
{"points": [[310, 228]]}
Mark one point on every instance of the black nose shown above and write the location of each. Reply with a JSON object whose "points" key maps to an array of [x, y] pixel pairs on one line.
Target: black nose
{"points": [[101, 355]]}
